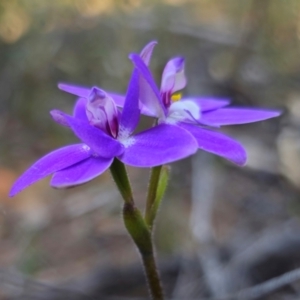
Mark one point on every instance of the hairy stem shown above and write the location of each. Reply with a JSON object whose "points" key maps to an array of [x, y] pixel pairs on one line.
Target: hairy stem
{"points": [[119, 174], [137, 229], [141, 235], [152, 191], [157, 187]]}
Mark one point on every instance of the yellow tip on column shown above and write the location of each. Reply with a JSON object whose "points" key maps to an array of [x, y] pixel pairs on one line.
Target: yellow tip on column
{"points": [[176, 97]]}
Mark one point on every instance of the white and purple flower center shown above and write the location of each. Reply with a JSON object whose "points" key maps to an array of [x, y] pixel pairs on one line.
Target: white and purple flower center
{"points": [[102, 112], [174, 80]]}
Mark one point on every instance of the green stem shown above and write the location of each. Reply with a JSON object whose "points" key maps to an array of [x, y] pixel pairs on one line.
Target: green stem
{"points": [[137, 229], [119, 174], [141, 235], [152, 190], [157, 187]]}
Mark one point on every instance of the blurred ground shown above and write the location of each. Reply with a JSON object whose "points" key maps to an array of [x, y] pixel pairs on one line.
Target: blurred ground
{"points": [[221, 228]]}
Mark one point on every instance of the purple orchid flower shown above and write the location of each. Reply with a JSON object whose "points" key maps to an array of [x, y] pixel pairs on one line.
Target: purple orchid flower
{"points": [[194, 114], [107, 134]]}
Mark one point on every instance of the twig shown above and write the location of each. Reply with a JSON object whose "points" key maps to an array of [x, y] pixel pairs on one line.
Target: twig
{"points": [[22, 287], [266, 287]]}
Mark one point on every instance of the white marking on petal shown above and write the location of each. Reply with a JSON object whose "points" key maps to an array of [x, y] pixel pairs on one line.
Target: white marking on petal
{"points": [[124, 133], [125, 138], [182, 111], [86, 147], [127, 142], [170, 120]]}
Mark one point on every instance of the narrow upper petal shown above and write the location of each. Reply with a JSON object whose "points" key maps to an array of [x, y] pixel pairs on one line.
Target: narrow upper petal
{"points": [[100, 142], [149, 93], [52, 162], [173, 77], [81, 172], [84, 92], [76, 90], [207, 103], [146, 53], [159, 145], [218, 143], [131, 113], [232, 116]]}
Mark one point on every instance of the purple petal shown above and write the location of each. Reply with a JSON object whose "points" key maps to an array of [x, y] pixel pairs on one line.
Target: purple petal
{"points": [[149, 94], [79, 110], [146, 53], [173, 77], [145, 111], [59, 117], [232, 116], [207, 104], [119, 99], [81, 172], [84, 92], [131, 113], [159, 145], [100, 142], [52, 162], [218, 143], [79, 91]]}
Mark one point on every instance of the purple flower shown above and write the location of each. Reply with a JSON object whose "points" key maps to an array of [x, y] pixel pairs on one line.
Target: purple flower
{"points": [[106, 134], [193, 114]]}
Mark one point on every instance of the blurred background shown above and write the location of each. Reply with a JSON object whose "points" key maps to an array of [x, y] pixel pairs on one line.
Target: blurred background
{"points": [[221, 229]]}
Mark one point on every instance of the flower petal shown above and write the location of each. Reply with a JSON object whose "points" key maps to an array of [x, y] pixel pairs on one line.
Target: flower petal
{"points": [[76, 90], [149, 94], [207, 103], [145, 111], [131, 113], [52, 162], [146, 53], [59, 117], [159, 145], [81, 172], [232, 116], [100, 142], [118, 99], [173, 77], [84, 92], [79, 110], [218, 143], [184, 111]]}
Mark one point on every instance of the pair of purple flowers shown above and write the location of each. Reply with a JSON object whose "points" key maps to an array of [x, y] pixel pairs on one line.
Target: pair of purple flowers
{"points": [[106, 132]]}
